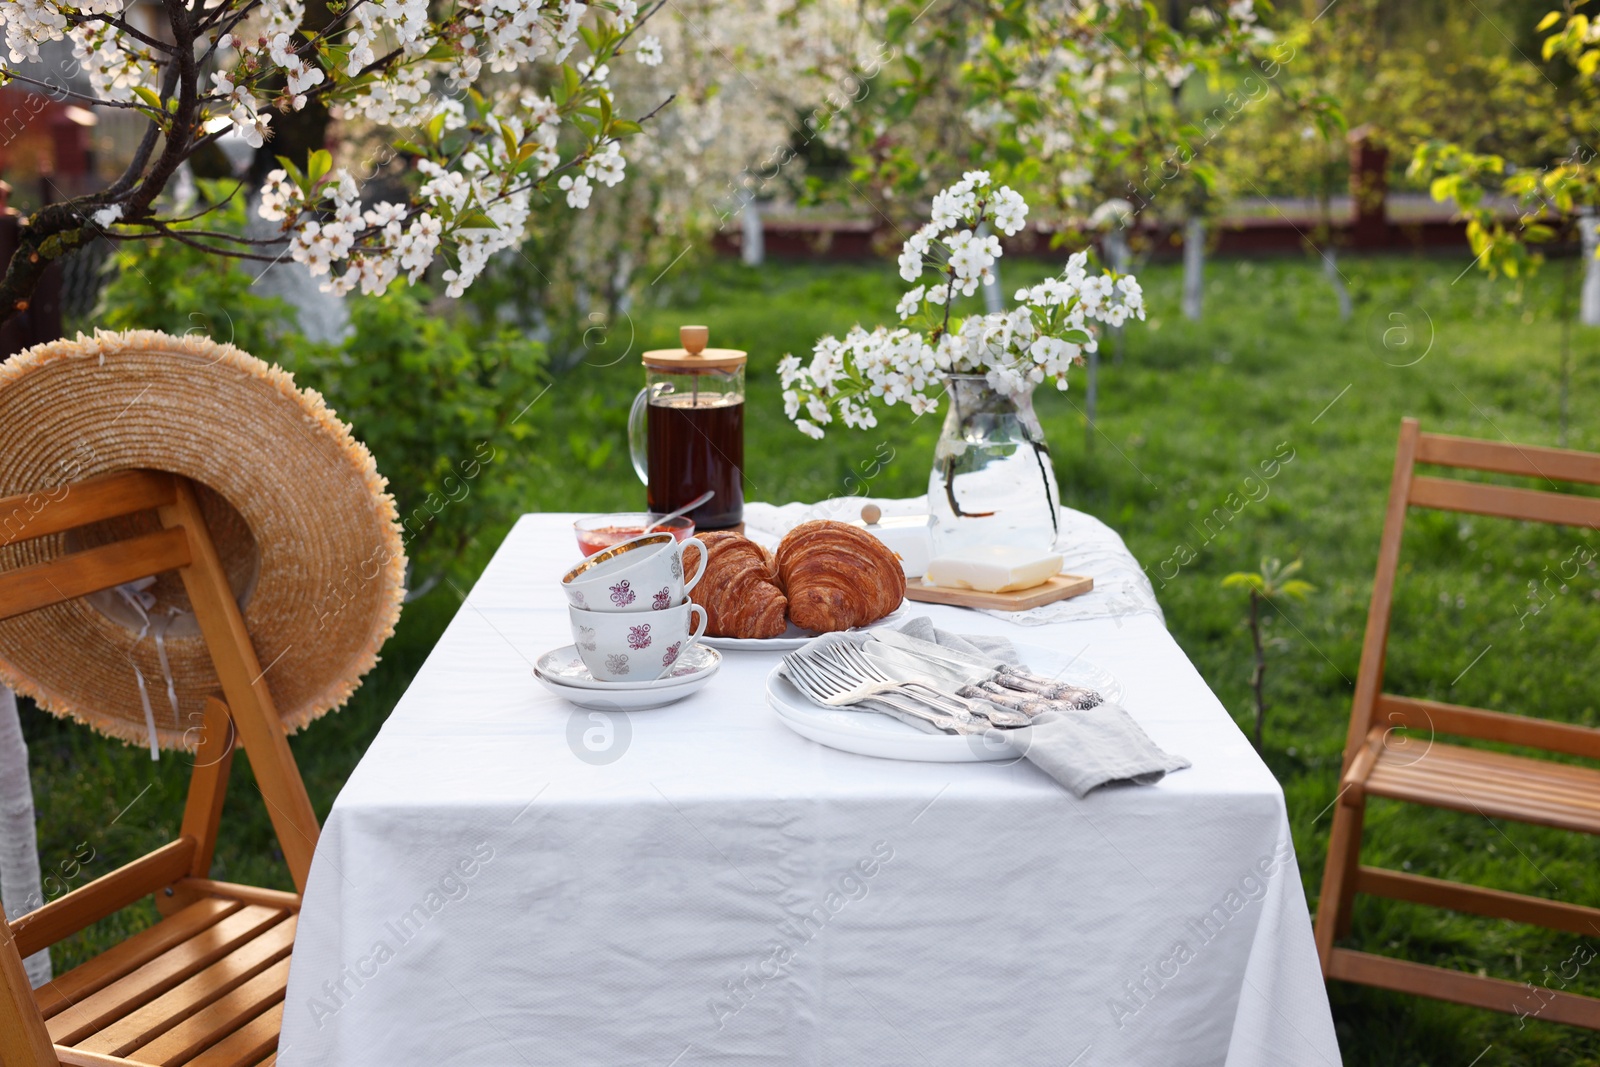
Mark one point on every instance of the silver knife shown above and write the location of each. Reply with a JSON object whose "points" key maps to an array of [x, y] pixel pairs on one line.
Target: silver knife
{"points": [[902, 666], [1012, 677]]}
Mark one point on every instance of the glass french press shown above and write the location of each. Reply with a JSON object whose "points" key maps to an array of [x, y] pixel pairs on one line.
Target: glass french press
{"points": [[686, 430]]}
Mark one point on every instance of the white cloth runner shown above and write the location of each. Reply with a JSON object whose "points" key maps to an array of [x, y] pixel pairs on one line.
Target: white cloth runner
{"points": [[506, 879], [1087, 545]]}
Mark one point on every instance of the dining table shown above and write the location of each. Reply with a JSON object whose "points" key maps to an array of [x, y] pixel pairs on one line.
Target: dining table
{"points": [[509, 879]]}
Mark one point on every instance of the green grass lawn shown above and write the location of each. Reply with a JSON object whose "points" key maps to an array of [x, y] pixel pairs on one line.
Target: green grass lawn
{"points": [[1184, 418]]}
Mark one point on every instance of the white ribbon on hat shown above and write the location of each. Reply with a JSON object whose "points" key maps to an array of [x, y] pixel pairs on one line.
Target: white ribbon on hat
{"points": [[135, 595]]}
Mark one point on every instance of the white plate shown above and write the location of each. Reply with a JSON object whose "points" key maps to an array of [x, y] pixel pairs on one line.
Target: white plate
{"points": [[564, 667], [791, 639], [869, 733]]}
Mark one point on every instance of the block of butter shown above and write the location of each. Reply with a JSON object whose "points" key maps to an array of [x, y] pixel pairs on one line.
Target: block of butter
{"points": [[907, 537], [994, 568]]}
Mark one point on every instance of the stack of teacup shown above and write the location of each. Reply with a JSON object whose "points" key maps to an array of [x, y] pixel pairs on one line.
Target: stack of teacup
{"points": [[631, 614]]}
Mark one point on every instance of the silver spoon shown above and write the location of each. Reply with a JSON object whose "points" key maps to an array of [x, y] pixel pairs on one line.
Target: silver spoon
{"points": [[690, 506]]}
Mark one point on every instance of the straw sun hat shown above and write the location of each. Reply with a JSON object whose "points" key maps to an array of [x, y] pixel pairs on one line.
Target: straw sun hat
{"points": [[296, 506]]}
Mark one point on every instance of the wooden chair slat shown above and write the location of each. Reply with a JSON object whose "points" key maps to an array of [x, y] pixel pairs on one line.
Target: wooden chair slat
{"points": [[183, 1000], [202, 809], [31, 588], [1444, 778], [244, 684], [1478, 900], [219, 1019], [24, 1041], [246, 1045], [65, 507], [178, 963], [269, 1061], [1444, 789], [90, 903], [1431, 716], [123, 957], [1476, 990], [1506, 502], [1567, 779], [71, 1057], [272, 898], [1470, 453]]}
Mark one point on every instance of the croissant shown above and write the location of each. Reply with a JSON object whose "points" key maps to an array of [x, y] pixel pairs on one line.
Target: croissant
{"points": [[739, 589], [838, 576]]}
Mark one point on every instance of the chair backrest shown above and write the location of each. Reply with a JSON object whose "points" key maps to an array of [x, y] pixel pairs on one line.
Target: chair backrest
{"points": [[1409, 489], [182, 544]]}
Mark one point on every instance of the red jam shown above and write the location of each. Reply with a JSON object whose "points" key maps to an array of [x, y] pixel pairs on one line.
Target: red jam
{"points": [[592, 541]]}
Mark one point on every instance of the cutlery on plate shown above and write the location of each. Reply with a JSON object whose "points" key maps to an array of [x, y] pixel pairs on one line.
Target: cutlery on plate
{"points": [[899, 665], [825, 680], [1004, 674]]}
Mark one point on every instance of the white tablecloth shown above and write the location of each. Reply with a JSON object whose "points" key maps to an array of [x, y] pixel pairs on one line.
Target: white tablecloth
{"points": [[697, 884]]}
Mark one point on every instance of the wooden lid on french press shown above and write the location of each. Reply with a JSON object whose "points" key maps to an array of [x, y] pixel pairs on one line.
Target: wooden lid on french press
{"points": [[694, 355]]}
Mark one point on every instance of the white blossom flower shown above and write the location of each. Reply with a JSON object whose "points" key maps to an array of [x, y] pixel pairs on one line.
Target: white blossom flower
{"points": [[648, 51], [910, 303], [578, 190]]}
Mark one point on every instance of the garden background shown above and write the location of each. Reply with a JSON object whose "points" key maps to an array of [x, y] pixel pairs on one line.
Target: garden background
{"points": [[1310, 357]]}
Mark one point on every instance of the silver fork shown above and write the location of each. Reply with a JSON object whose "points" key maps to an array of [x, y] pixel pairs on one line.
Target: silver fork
{"points": [[828, 683], [956, 705]]}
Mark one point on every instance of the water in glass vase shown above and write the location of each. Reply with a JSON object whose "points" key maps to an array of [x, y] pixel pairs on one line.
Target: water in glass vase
{"points": [[992, 482]]}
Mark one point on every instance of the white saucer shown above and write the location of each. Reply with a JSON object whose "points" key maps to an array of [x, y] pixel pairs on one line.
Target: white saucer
{"points": [[563, 667], [790, 639], [697, 666]]}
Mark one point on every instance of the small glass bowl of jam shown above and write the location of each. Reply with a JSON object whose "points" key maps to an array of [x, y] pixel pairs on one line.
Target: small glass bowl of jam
{"points": [[602, 531]]}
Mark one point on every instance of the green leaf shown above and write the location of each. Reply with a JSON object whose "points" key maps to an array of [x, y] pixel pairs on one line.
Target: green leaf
{"points": [[318, 164], [475, 220], [149, 97], [1549, 20], [294, 173]]}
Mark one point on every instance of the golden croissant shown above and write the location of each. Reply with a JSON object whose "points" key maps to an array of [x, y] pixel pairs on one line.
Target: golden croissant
{"points": [[838, 576], [739, 589]]}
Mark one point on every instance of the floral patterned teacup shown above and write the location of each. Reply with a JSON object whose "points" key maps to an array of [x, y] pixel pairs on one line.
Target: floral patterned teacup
{"points": [[644, 574], [635, 646]]}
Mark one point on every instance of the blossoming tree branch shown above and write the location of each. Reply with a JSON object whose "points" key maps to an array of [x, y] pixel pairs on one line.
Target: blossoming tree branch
{"points": [[497, 102], [1041, 338]]}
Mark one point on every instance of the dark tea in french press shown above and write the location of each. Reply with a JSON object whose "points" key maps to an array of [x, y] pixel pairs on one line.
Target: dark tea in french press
{"points": [[686, 430]]}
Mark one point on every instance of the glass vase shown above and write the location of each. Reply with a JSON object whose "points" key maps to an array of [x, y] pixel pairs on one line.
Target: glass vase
{"points": [[992, 481]]}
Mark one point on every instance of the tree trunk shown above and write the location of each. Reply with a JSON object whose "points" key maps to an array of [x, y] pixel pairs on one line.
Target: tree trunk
{"points": [[1589, 232], [1330, 270], [1194, 267], [753, 248], [1121, 258], [19, 842], [1260, 673]]}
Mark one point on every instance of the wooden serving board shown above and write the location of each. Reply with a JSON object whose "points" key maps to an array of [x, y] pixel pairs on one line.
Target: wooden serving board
{"points": [[1061, 587]]}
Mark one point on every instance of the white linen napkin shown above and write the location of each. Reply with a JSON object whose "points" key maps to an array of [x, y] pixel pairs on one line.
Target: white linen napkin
{"points": [[1083, 749]]}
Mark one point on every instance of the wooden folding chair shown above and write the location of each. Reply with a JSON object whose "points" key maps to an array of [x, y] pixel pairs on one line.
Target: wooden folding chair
{"points": [[204, 986], [1474, 780]]}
